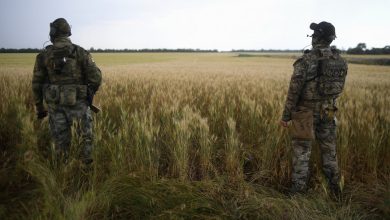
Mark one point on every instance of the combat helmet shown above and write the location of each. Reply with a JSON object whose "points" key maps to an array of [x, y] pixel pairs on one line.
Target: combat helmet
{"points": [[323, 31], [59, 28]]}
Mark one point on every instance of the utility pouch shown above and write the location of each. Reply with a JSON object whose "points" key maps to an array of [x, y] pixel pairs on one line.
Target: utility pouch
{"points": [[68, 95], [328, 113], [52, 94], [302, 124], [82, 92]]}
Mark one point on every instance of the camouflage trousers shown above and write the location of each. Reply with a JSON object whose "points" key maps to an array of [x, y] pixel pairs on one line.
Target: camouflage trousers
{"points": [[61, 120], [325, 135]]}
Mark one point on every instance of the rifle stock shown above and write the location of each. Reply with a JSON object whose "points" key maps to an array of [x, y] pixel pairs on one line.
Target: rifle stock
{"points": [[95, 108]]}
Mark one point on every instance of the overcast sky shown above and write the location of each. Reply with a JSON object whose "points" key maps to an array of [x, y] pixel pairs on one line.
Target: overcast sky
{"points": [[204, 24]]}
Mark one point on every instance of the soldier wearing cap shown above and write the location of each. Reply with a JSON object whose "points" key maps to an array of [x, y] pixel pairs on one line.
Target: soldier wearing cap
{"points": [[66, 78], [316, 83]]}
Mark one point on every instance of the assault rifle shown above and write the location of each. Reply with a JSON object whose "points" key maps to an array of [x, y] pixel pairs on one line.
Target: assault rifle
{"points": [[90, 95], [94, 108]]}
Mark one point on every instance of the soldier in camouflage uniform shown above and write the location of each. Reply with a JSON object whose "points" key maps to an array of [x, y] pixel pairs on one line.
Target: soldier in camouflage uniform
{"points": [[317, 81], [66, 77]]}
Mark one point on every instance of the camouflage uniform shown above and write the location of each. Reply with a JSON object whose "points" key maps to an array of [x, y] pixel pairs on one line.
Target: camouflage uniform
{"points": [[65, 75], [305, 92]]}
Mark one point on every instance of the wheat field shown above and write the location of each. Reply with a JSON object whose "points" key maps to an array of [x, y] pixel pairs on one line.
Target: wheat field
{"points": [[191, 136]]}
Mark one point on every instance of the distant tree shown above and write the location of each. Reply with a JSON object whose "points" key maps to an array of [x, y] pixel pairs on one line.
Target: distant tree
{"points": [[359, 49], [362, 46], [386, 50]]}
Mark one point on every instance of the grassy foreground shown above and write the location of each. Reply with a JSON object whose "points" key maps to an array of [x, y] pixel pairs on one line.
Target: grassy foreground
{"points": [[186, 136]]}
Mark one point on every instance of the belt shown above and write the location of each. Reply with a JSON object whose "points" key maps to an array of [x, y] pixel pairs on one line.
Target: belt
{"points": [[311, 104]]}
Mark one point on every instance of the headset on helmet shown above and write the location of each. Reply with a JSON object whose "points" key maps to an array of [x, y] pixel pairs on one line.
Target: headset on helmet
{"points": [[324, 30]]}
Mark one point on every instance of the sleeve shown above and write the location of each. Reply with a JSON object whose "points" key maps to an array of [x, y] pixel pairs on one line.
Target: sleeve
{"points": [[294, 91], [39, 79], [93, 75]]}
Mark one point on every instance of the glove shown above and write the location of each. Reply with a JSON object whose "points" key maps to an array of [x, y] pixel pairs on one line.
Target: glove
{"points": [[41, 112], [283, 123], [89, 100], [41, 115], [90, 95]]}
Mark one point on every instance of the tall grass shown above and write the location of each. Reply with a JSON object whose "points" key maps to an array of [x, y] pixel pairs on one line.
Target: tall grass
{"points": [[191, 136]]}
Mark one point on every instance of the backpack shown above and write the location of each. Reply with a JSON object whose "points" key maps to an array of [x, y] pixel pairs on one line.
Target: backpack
{"points": [[332, 73]]}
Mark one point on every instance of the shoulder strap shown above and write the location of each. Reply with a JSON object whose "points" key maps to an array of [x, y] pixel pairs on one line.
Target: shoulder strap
{"points": [[319, 68], [75, 52]]}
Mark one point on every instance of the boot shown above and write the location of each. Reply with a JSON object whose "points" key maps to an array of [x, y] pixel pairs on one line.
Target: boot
{"points": [[297, 189], [335, 191], [87, 161]]}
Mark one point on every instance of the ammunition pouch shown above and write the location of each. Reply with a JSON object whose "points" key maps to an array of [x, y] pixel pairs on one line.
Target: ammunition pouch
{"points": [[66, 95], [52, 94], [328, 113], [302, 124]]}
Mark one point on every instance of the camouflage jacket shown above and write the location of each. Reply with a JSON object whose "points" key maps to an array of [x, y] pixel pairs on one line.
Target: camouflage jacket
{"points": [[304, 81], [64, 63]]}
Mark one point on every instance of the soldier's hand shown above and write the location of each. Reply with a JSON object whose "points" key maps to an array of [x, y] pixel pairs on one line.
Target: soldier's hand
{"points": [[90, 99], [41, 114], [90, 95], [41, 111], [283, 123]]}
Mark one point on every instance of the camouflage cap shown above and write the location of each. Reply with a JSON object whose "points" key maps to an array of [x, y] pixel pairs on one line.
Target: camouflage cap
{"points": [[324, 30], [60, 27]]}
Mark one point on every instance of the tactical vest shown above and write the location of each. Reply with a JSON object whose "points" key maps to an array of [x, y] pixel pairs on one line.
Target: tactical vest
{"points": [[65, 76], [325, 77], [63, 66]]}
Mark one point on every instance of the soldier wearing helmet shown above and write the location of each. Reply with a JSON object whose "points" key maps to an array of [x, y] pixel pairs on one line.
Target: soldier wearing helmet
{"points": [[66, 78], [316, 83]]}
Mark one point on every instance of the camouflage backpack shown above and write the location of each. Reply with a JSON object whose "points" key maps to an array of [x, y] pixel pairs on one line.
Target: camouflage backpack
{"points": [[332, 73]]}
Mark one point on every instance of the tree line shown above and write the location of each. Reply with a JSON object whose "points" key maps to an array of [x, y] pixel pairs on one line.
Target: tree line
{"points": [[158, 50], [265, 51], [23, 50], [93, 50], [361, 48]]}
